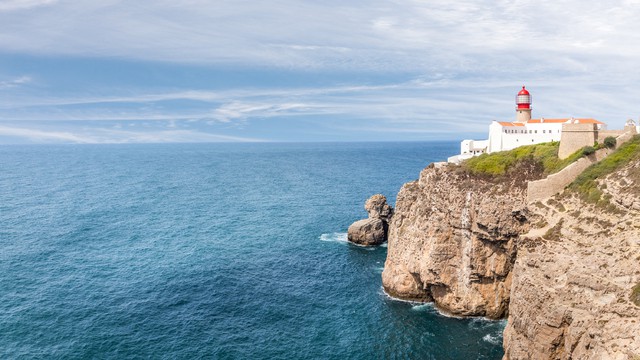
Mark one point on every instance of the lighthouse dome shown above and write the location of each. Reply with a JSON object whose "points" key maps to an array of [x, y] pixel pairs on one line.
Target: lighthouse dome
{"points": [[523, 99]]}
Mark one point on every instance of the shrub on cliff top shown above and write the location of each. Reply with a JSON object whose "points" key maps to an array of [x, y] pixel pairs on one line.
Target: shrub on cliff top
{"points": [[610, 142], [585, 184], [588, 150], [499, 163]]}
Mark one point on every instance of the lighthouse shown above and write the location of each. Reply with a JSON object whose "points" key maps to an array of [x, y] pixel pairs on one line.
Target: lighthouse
{"points": [[506, 135], [523, 106]]}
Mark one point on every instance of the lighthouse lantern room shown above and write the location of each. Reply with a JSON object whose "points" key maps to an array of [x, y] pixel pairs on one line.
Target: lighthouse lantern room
{"points": [[523, 106]]}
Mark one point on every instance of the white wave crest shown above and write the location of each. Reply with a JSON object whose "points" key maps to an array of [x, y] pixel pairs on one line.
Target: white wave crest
{"points": [[423, 307], [335, 237], [495, 340], [343, 238]]}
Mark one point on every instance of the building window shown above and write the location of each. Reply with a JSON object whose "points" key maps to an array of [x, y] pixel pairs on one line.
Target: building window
{"points": [[544, 131], [535, 131]]}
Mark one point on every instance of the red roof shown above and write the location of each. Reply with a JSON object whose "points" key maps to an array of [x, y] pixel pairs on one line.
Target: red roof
{"points": [[550, 121], [523, 91]]}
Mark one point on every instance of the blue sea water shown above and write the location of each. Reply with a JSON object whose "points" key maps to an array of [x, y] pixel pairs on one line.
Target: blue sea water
{"points": [[213, 251]]}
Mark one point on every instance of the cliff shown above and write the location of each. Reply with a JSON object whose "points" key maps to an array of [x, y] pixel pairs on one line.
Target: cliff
{"points": [[452, 241], [564, 270], [572, 295]]}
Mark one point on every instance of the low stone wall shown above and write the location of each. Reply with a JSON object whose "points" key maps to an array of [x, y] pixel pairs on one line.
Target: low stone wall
{"points": [[602, 134], [555, 183]]}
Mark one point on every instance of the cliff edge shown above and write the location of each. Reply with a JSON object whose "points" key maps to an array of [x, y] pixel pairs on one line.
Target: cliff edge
{"points": [[452, 241]]}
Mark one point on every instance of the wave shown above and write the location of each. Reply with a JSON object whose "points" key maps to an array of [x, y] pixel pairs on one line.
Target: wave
{"points": [[423, 307], [475, 321], [493, 339], [335, 237], [343, 238]]}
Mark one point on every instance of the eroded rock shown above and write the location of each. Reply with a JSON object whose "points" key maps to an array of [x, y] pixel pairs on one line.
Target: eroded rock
{"points": [[368, 232], [378, 208], [374, 230]]}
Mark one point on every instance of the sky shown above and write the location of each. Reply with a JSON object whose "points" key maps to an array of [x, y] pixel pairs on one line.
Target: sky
{"points": [[111, 71]]}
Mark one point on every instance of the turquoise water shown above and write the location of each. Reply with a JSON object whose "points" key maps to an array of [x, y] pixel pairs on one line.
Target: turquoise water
{"points": [[216, 251]]}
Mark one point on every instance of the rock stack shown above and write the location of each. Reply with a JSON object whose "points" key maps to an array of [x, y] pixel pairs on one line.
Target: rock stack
{"points": [[372, 231]]}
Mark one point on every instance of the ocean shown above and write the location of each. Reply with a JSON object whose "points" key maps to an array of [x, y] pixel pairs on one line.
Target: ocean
{"points": [[210, 251]]}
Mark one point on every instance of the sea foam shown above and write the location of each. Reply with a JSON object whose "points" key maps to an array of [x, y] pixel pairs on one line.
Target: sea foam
{"points": [[335, 237], [342, 238]]}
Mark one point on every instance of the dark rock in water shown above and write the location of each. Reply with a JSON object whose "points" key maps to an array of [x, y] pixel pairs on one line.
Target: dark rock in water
{"points": [[368, 232], [372, 231]]}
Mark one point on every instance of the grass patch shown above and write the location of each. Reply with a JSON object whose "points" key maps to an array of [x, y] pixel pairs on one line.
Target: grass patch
{"points": [[557, 204], [585, 184], [635, 295], [542, 156], [554, 234]]}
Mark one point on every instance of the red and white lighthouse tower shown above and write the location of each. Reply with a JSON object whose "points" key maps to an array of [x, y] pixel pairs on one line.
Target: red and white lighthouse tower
{"points": [[523, 106]]}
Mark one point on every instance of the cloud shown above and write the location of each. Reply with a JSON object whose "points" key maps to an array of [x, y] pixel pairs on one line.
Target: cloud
{"points": [[115, 135], [412, 35], [239, 111], [41, 135], [420, 66], [421, 104], [11, 5], [15, 82]]}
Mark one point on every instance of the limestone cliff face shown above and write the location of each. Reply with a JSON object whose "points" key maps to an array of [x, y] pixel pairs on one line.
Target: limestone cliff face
{"points": [[573, 279], [452, 241]]}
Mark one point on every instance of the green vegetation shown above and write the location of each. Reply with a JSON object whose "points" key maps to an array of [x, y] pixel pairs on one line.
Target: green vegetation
{"points": [[588, 150], [610, 142], [545, 156], [635, 295], [556, 204], [585, 184]]}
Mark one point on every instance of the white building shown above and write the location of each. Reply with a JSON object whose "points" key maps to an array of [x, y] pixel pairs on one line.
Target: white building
{"points": [[524, 131]]}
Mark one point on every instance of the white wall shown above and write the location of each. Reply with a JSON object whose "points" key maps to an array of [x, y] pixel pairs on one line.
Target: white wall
{"points": [[503, 138], [513, 136]]}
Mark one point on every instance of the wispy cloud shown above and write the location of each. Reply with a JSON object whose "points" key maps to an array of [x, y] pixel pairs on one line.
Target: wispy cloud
{"points": [[451, 36], [10, 5], [420, 67], [240, 111], [41, 135], [419, 105], [115, 135], [15, 82]]}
